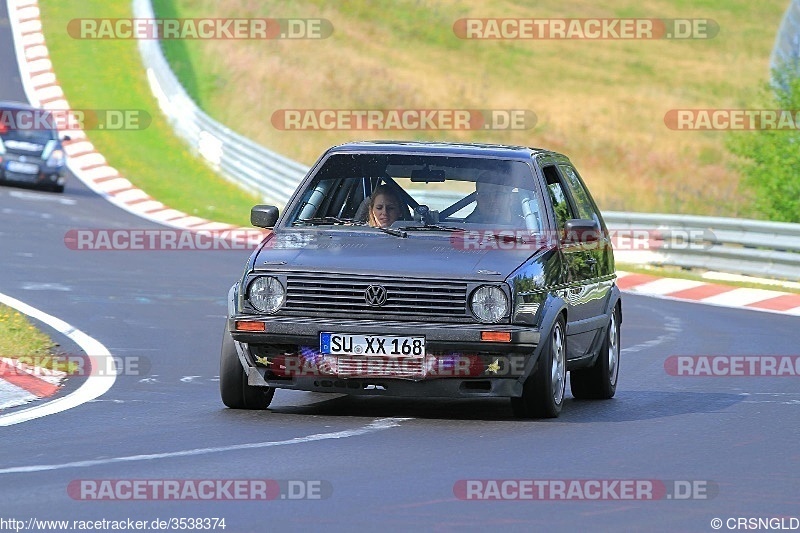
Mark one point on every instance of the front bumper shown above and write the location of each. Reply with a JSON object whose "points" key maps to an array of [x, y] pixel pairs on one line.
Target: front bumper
{"points": [[457, 362], [439, 336], [44, 178]]}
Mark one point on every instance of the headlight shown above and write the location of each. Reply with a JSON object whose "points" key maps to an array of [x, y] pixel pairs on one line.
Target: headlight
{"points": [[56, 159], [267, 294], [489, 303]]}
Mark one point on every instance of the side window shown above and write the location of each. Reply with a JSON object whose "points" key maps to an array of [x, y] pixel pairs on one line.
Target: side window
{"points": [[558, 196], [579, 194]]}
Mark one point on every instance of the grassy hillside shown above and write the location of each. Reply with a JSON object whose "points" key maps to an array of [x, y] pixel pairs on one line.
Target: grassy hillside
{"points": [[601, 102], [108, 74]]}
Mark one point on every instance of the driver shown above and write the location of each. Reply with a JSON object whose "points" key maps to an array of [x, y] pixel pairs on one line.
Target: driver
{"points": [[384, 207]]}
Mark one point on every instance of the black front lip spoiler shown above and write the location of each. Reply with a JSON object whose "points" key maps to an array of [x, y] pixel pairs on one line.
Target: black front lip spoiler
{"points": [[482, 387]]}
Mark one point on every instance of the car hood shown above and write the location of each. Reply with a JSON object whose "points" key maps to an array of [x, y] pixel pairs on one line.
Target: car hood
{"points": [[438, 255]]}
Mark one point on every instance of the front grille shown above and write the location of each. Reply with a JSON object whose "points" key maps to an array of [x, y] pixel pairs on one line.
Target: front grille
{"points": [[321, 294]]}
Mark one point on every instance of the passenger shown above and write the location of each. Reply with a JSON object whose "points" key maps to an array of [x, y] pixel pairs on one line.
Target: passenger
{"points": [[493, 204], [384, 207]]}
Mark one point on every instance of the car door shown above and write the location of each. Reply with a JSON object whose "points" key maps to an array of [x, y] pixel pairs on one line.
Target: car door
{"points": [[600, 252], [581, 264]]}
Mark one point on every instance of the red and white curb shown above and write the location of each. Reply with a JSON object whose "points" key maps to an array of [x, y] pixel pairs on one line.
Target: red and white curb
{"points": [[21, 383], [19, 386], [85, 162], [710, 293]]}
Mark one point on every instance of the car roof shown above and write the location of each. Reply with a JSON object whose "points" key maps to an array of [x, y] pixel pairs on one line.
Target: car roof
{"points": [[503, 151]]}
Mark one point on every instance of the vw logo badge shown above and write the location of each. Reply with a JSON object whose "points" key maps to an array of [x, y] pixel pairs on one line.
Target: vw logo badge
{"points": [[375, 295]]}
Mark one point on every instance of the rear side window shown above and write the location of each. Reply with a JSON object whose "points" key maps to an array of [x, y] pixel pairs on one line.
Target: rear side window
{"points": [[579, 194], [558, 196]]}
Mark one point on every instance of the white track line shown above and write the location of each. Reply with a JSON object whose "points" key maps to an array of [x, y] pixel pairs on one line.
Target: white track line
{"points": [[377, 425], [94, 386]]}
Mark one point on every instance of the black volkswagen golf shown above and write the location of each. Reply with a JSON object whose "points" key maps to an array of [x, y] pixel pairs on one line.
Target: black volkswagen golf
{"points": [[31, 153], [428, 270]]}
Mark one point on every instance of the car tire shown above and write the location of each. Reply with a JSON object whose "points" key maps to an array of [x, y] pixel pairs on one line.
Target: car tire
{"points": [[58, 188], [543, 391], [599, 382], [233, 387]]}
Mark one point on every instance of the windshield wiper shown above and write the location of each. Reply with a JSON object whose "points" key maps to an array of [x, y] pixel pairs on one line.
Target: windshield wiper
{"points": [[323, 220], [331, 221], [394, 231], [431, 227]]}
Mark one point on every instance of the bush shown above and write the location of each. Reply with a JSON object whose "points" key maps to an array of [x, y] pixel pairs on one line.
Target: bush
{"points": [[771, 158]]}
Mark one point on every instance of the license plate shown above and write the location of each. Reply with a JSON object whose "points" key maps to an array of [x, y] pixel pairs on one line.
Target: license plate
{"points": [[22, 168], [381, 345]]}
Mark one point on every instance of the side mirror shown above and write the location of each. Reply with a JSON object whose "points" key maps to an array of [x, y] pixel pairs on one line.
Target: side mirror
{"points": [[581, 230], [66, 138], [264, 216]]}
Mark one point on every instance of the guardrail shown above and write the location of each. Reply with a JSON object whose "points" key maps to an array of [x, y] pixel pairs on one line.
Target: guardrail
{"points": [[739, 246], [730, 245], [237, 158]]}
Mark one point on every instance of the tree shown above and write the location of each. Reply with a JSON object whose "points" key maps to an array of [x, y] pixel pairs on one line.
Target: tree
{"points": [[771, 157]]}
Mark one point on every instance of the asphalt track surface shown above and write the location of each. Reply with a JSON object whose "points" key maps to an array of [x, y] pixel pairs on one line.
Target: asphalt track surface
{"points": [[390, 463]]}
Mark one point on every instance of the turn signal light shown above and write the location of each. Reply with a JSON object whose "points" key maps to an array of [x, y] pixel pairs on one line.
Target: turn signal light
{"points": [[243, 325], [496, 336]]}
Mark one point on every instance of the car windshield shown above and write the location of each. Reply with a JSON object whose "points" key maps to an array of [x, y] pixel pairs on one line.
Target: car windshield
{"points": [[432, 192], [31, 126]]}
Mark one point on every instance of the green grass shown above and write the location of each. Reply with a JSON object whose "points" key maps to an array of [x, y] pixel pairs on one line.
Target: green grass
{"points": [[600, 102], [19, 338], [108, 74]]}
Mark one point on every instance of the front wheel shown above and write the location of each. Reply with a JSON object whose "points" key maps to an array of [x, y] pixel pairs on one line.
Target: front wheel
{"points": [[233, 387], [543, 391], [599, 382]]}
